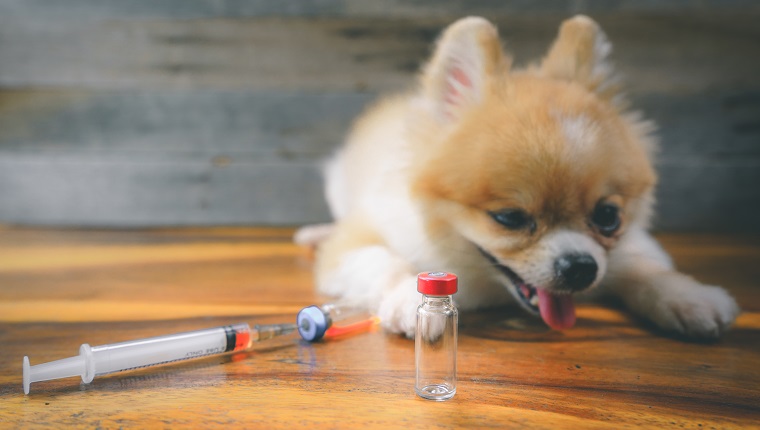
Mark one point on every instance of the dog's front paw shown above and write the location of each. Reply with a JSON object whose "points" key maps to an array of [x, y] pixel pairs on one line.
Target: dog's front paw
{"points": [[695, 310], [432, 327], [398, 309]]}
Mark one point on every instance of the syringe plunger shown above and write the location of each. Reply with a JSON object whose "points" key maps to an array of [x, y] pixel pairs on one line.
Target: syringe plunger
{"points": [[71, 366]]}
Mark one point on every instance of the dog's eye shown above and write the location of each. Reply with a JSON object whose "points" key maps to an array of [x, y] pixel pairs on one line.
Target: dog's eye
{"points": [[513, 219], [606, 218]]}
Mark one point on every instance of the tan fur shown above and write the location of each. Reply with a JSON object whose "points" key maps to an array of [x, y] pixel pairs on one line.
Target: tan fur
{"points": [[353, 234], [414, 187]]}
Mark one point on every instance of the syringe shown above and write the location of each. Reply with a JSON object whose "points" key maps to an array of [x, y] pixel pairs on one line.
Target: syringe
{"points": [[100, 360], [313, 323]]}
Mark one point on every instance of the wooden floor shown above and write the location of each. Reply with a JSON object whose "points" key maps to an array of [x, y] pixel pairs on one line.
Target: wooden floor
{"points": [[59, 289]]}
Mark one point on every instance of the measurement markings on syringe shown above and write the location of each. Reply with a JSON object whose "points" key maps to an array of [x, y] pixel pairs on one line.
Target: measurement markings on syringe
{"points": [[201, 353]]}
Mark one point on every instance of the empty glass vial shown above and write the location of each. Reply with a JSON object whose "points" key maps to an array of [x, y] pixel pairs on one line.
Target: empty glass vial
{"points": [[435, 346]]}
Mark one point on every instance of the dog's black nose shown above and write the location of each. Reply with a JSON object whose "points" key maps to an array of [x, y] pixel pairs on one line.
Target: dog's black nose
{"points": [[576, 271]]}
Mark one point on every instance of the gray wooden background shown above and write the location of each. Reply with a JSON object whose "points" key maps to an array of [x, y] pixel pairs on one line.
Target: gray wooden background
{"points": [[205, 112]]}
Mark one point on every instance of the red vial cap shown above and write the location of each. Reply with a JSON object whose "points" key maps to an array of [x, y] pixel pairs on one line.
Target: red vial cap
{"points": [[437, 283]]}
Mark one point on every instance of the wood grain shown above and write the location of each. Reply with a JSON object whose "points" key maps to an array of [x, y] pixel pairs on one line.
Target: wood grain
{"points": [[195, 9], [670, 53], [607, 372], [76, 190]]}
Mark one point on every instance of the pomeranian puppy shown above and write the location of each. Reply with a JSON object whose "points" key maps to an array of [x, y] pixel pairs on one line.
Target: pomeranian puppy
{"points": [[531, 185]]}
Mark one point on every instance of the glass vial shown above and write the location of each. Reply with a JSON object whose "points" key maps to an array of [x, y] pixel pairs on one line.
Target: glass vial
{"points": [[435, 345]]}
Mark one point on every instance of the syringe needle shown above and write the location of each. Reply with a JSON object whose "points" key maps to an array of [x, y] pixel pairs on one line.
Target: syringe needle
{"points": [[268, 331]]}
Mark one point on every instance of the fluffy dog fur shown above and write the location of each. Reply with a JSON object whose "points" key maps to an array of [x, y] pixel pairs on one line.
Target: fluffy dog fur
{"points": [[533, 182]]}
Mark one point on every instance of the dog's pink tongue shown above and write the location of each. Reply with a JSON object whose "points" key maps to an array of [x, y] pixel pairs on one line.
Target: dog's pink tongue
{"points": [[557, 311]]}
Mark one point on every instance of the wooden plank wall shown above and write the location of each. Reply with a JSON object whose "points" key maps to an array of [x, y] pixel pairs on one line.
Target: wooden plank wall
{"points": [[176, 112]]}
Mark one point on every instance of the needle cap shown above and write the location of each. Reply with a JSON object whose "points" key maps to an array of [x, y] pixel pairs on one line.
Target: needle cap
{"points": [[312, 323]]}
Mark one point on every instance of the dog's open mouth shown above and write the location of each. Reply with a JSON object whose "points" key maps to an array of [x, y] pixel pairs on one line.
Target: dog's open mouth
{"points": [[557, 310]]}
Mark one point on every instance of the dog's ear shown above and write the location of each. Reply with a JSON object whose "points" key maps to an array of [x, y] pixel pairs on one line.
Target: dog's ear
{"points": [[466, 57], [579, 54]]}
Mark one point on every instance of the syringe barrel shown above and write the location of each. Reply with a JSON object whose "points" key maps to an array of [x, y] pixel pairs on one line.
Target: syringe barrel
{"points": [[128, 355], [134, 354]]}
